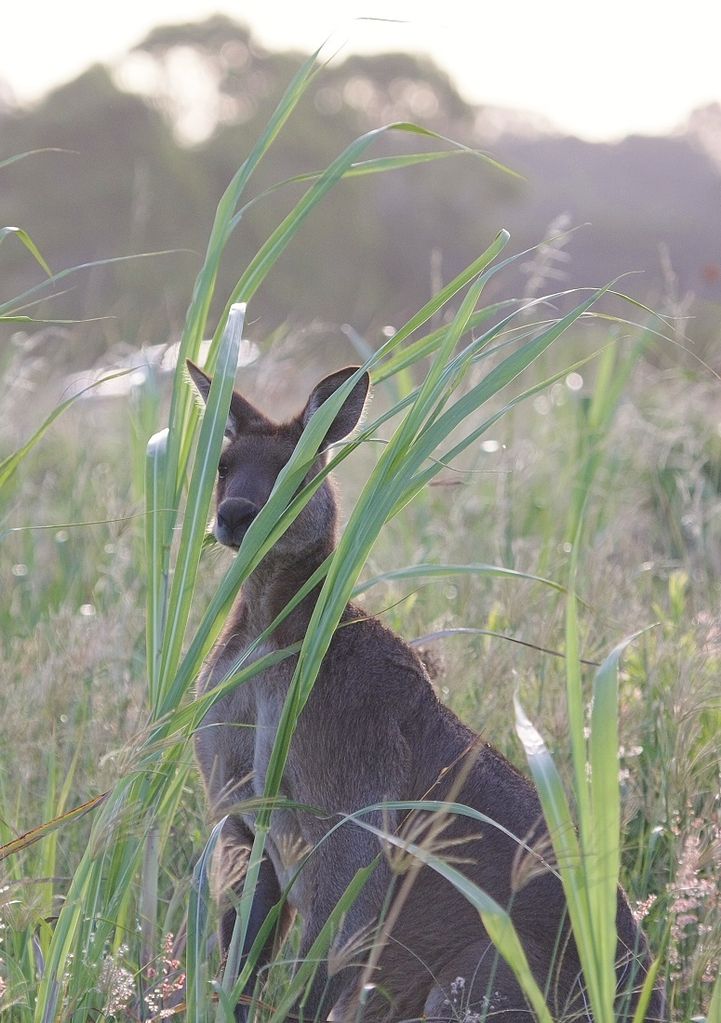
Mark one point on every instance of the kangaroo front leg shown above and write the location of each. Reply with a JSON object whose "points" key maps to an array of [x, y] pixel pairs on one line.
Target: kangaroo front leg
{"points": [[334, 867], [324, 991], [267, 894]]}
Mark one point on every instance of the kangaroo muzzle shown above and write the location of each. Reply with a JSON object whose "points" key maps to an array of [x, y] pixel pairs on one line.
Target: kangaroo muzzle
{"points": [[234, 516]]}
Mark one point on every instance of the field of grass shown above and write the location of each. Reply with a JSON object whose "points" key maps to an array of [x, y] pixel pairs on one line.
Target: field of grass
{"points": [[605, 479]]}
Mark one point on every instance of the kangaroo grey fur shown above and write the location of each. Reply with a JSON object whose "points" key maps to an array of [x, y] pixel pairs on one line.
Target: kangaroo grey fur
{"points": [[372, 730]]}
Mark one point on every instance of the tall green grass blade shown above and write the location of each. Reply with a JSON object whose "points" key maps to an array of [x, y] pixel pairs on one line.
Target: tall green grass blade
{"points": [[424, 476], [148, 900], [45, 321], [30, 152], [566, 847], [26, 240], [613, 374], [589, 867], [157, 532], [714, 1009], [196, 318], [504, 373], [13, 305], [426, 398], [449, 571], [10, 464], [197, 987], [279, 239], [200, 490], [363, 168], [425, 346], [440, 300], [601, 838], [602, 846], [649, 983], [575, 702]]}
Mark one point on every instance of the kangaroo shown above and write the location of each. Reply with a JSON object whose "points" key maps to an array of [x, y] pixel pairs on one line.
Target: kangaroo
{"points": [[373, 730]]}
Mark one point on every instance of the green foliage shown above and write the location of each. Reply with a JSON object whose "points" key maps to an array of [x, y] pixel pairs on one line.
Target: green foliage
{"points": [[88, 908]]}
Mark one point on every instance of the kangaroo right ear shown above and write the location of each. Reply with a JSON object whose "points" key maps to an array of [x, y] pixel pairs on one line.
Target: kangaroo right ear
{"points": [[350, 411], [241, 413]]}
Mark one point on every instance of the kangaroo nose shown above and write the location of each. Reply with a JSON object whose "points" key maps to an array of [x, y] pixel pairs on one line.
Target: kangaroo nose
{"points": [[234, 516]]}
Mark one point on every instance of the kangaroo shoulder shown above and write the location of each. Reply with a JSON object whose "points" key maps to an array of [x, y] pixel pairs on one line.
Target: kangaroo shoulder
{"points": [[363, 648]]}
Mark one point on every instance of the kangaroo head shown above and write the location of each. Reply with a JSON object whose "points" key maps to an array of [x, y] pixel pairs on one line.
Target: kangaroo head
{"points": [[255, 451]]}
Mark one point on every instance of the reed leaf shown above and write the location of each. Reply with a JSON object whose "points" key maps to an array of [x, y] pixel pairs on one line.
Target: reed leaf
{"points": [[196, 997], [10, 464], [200, 490], [24, 238]]}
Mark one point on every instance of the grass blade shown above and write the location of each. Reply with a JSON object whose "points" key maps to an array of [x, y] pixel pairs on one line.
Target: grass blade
{"points": [[196, 996], [26, 240], [156, 556], [42, 830], [10, 464], [200, 490], [449, 571]]}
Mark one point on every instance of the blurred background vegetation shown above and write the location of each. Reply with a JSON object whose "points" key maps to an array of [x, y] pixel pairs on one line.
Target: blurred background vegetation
{"points": [[150, 145]]}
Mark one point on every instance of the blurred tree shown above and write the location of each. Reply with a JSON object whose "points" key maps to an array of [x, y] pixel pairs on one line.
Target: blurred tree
{"points": [[121, 186], [366, 252], [147, 168], [153, 145]]}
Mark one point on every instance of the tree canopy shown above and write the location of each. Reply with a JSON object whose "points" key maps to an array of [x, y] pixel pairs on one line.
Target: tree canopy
{"points": [[148, 147]]}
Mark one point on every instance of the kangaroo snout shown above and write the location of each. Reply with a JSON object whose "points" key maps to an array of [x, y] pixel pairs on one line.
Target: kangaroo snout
{"points": [[234, 516]]}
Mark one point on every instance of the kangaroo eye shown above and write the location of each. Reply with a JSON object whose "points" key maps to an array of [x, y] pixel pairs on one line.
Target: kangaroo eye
{"points": [[222, 470]]}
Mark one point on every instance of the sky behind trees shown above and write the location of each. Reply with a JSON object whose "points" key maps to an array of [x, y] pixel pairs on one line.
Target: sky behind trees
{"points": [[599, 71]]}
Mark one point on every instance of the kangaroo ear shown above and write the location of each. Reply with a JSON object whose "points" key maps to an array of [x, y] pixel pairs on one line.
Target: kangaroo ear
{"points": [[351, 410], [200, 379], [241, 414]]}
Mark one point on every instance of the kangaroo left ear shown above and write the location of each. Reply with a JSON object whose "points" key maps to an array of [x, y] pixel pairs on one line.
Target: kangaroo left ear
{"points": [[351, 410], [200, 379], [242, 415]]}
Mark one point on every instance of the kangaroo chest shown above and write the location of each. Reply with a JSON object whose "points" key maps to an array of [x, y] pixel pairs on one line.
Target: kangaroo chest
{"points": [[240, 729]]}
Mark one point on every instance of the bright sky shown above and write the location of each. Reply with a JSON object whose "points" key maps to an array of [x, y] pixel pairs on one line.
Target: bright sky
{"points": [[599, 70]]}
